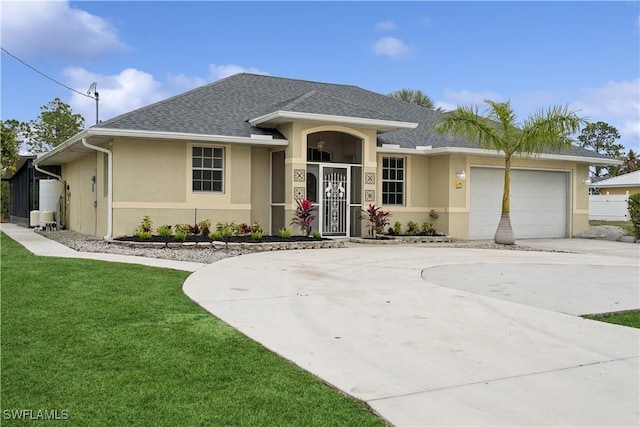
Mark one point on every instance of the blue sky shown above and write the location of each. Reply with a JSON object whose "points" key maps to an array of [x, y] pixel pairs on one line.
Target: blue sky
{"points": [[585, 54]]}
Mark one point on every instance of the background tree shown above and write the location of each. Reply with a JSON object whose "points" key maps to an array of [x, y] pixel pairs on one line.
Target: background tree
{"points": [[498, 130], [631, 163], [13, 134], [601, 138], [415, 97], [55, 124]]}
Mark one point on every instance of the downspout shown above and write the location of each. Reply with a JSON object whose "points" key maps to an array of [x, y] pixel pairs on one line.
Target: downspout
{"points": [[58, 177], [109, 184]]}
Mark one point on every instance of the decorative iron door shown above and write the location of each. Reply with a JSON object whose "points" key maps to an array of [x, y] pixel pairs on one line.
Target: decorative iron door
{"points": [[335, 201]]}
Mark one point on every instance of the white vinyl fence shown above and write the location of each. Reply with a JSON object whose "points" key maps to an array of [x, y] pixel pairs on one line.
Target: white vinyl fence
{"points": [[609, 207]]}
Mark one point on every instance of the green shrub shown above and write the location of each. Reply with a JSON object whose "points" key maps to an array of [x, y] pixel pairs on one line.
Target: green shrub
{"points": [[285, 233], [316, 234], [427, 229], [165, 231], [146, 226], [256, 235], [634, 212], [182, 228], [180, 236], [397, 228], [231, 226], [228, 232], [144, 235], [215, 235], [412, 228]]}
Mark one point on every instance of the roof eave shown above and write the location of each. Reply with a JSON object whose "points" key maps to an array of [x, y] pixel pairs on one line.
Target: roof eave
{"points": [[279, 117], [71, 143], [427, 150]]}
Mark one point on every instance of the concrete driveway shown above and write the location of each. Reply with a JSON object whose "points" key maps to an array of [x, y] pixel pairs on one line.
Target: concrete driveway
{"points": [[444, 336]]}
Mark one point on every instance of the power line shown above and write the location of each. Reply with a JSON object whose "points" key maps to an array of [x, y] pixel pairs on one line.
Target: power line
{"points": [[43, 74]]}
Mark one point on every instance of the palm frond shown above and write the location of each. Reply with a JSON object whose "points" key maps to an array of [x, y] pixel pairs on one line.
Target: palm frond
{"points": [[465, 122], [551, 129]]}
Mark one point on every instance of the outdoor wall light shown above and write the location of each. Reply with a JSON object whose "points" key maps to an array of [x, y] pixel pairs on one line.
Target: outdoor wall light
{"points": [[461, 175], [586, 181]]}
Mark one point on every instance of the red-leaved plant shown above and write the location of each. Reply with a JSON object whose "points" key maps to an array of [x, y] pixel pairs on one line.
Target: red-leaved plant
{"points": [[378, 219], [303, 216]]}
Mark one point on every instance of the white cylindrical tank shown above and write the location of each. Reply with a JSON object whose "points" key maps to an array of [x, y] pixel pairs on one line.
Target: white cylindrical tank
{"points": [[50, 192], [46, 216], [34, 218]]}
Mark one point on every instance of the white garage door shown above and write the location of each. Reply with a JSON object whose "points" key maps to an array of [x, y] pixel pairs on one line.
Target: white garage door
{"points": [[539, 203]]}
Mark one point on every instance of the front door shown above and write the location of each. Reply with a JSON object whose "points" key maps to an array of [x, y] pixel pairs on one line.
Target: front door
{"points": [[334, 200]]}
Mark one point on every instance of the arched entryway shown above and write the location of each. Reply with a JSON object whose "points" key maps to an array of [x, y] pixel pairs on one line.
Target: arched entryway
{"points": [[334, 182]]}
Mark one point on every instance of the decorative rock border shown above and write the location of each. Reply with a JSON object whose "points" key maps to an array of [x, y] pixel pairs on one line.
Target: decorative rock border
{"points": [[257, 247], [395, 240]]}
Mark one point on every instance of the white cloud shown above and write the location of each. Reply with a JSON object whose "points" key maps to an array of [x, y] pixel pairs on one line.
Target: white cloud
{"points": [[119, 93], [54, 29], [218, 72], [131, 88], [392, 47], [386, 25], [451, 99], [616, 103]]}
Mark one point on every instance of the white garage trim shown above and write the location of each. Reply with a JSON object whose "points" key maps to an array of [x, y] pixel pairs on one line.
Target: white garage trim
{"points": [[541, 201]]}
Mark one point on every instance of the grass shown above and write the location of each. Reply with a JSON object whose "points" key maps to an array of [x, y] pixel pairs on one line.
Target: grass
{"points": [[627, 318], [120, 344], [626, 225]]}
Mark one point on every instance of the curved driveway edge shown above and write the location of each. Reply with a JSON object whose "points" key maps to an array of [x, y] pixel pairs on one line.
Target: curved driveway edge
{"points": [[439, 350]]}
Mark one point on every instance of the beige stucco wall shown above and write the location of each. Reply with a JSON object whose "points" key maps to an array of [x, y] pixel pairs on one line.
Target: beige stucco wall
{"points": [[260, 210], [81, 212], [153, 177], [163, 188], [101, 211], [149, 171]]}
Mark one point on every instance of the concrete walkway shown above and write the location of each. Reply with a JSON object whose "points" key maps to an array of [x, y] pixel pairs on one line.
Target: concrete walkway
{"points": [[39, 245], [420, 335]]}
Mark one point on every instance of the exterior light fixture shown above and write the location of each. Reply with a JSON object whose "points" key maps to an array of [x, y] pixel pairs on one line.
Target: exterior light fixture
{"points": [[461, 175], [586, 181]]}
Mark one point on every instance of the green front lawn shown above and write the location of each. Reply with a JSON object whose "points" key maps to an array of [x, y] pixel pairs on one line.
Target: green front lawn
{"points": [[629, 318], [120, 345]]}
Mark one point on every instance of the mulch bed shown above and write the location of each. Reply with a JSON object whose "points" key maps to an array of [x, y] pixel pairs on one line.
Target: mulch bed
{"points": [[232, 239]]}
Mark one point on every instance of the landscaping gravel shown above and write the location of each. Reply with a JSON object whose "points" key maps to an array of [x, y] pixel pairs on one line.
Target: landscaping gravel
{"points": [[87, 243]]}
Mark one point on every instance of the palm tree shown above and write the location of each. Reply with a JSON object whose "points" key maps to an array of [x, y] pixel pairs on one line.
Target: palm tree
{"points": [[415, 97], [498, 130]]}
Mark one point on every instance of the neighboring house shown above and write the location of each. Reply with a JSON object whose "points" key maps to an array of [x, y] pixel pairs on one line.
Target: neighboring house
{"points": [[24, 189], [622, 184], [246, 147]]}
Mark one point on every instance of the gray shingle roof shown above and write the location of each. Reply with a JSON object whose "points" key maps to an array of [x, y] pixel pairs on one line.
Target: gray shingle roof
{"points": [[225, 106]]}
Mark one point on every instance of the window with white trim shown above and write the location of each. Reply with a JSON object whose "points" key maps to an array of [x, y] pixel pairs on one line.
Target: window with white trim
{"points": [[208, 169], [393, 180]]}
